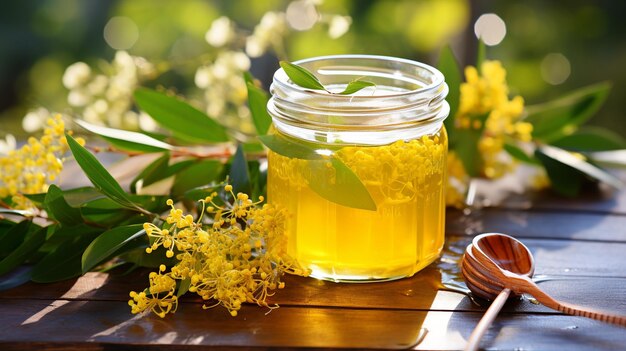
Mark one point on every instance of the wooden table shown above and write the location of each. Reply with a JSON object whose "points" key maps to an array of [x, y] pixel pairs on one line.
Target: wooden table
{"points": [[580, 252]]}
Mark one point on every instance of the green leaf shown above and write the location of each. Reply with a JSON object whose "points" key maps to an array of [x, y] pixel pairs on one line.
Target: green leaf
{"points": [[178, 167], [198, 174], [201, 192], [239, 175], [152, 203], [520, 154], [65, 261], [151, 260], [288, 148], [564, 179], [127, 140], [60, 210], [301, 76], [557, 118], [98, 175], [59, 235], [568, 159], [183, 287], [258, 179], [613, 158], [356, 85], [257, 101], [180, 117], [105, 212], [30, 246], [78, 196], [448, 65], [36, 198], [345, 188], [109, 243], [248, 77], [253, 147], [74, 197], [152, 173], [5, 226], [466, 145], [13, 236], [160, 170], [591, 139]]}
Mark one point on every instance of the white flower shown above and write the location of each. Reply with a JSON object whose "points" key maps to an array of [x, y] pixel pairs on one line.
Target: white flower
{"points": [[221, 32], [220, 70], [254, 47], [92, 116], [130, 119], [106, 99], [147, 123], [240, 61], [123, 61], [78, 98], [35, 120], [234, 62], [76, 75], [98, 85], [270, 30], [203, 77], [271, 20], [7, 145], [338, 26], [145, 68], [101, 106], [302, 15], [225, 88]]}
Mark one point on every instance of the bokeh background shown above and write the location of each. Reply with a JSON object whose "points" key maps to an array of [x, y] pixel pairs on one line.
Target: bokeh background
{"points": [[548, 47]]}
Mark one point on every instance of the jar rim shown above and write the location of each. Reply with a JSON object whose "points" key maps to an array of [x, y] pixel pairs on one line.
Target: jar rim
{"points": [[416, 104], [281, 79]]}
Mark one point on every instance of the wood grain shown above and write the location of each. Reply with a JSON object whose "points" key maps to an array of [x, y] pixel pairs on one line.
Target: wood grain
{"points": [[539, 224], [415, 293], [104, 322], [604, 200]]}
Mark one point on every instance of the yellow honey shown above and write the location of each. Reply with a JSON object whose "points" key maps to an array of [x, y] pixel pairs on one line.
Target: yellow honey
{"points": [[403, 235], [360, 176]]}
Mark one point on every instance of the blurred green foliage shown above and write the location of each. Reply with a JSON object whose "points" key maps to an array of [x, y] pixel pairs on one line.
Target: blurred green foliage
{"points": [[40, 38]]}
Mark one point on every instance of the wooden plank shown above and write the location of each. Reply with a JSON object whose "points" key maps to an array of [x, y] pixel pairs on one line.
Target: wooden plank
{"points": [[67, 323], [603, 201], [538, 224], [109, 322], [419, 292]]}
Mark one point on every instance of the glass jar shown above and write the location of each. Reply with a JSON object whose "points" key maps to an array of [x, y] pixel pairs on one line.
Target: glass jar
{"points": [[361, 177]]}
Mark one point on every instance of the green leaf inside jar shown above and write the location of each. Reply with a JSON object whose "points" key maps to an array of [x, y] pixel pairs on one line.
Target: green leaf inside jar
{"points": [[344, 188]]}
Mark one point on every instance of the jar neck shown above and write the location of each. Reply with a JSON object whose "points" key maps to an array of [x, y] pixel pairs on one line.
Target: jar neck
{"points": [[407, 102]]}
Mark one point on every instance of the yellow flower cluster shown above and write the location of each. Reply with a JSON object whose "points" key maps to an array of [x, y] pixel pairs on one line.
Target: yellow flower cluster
{"points": [[235, 255], [457, 181], [393, 174], [31, 168], [488, 93], [398, 172]]}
